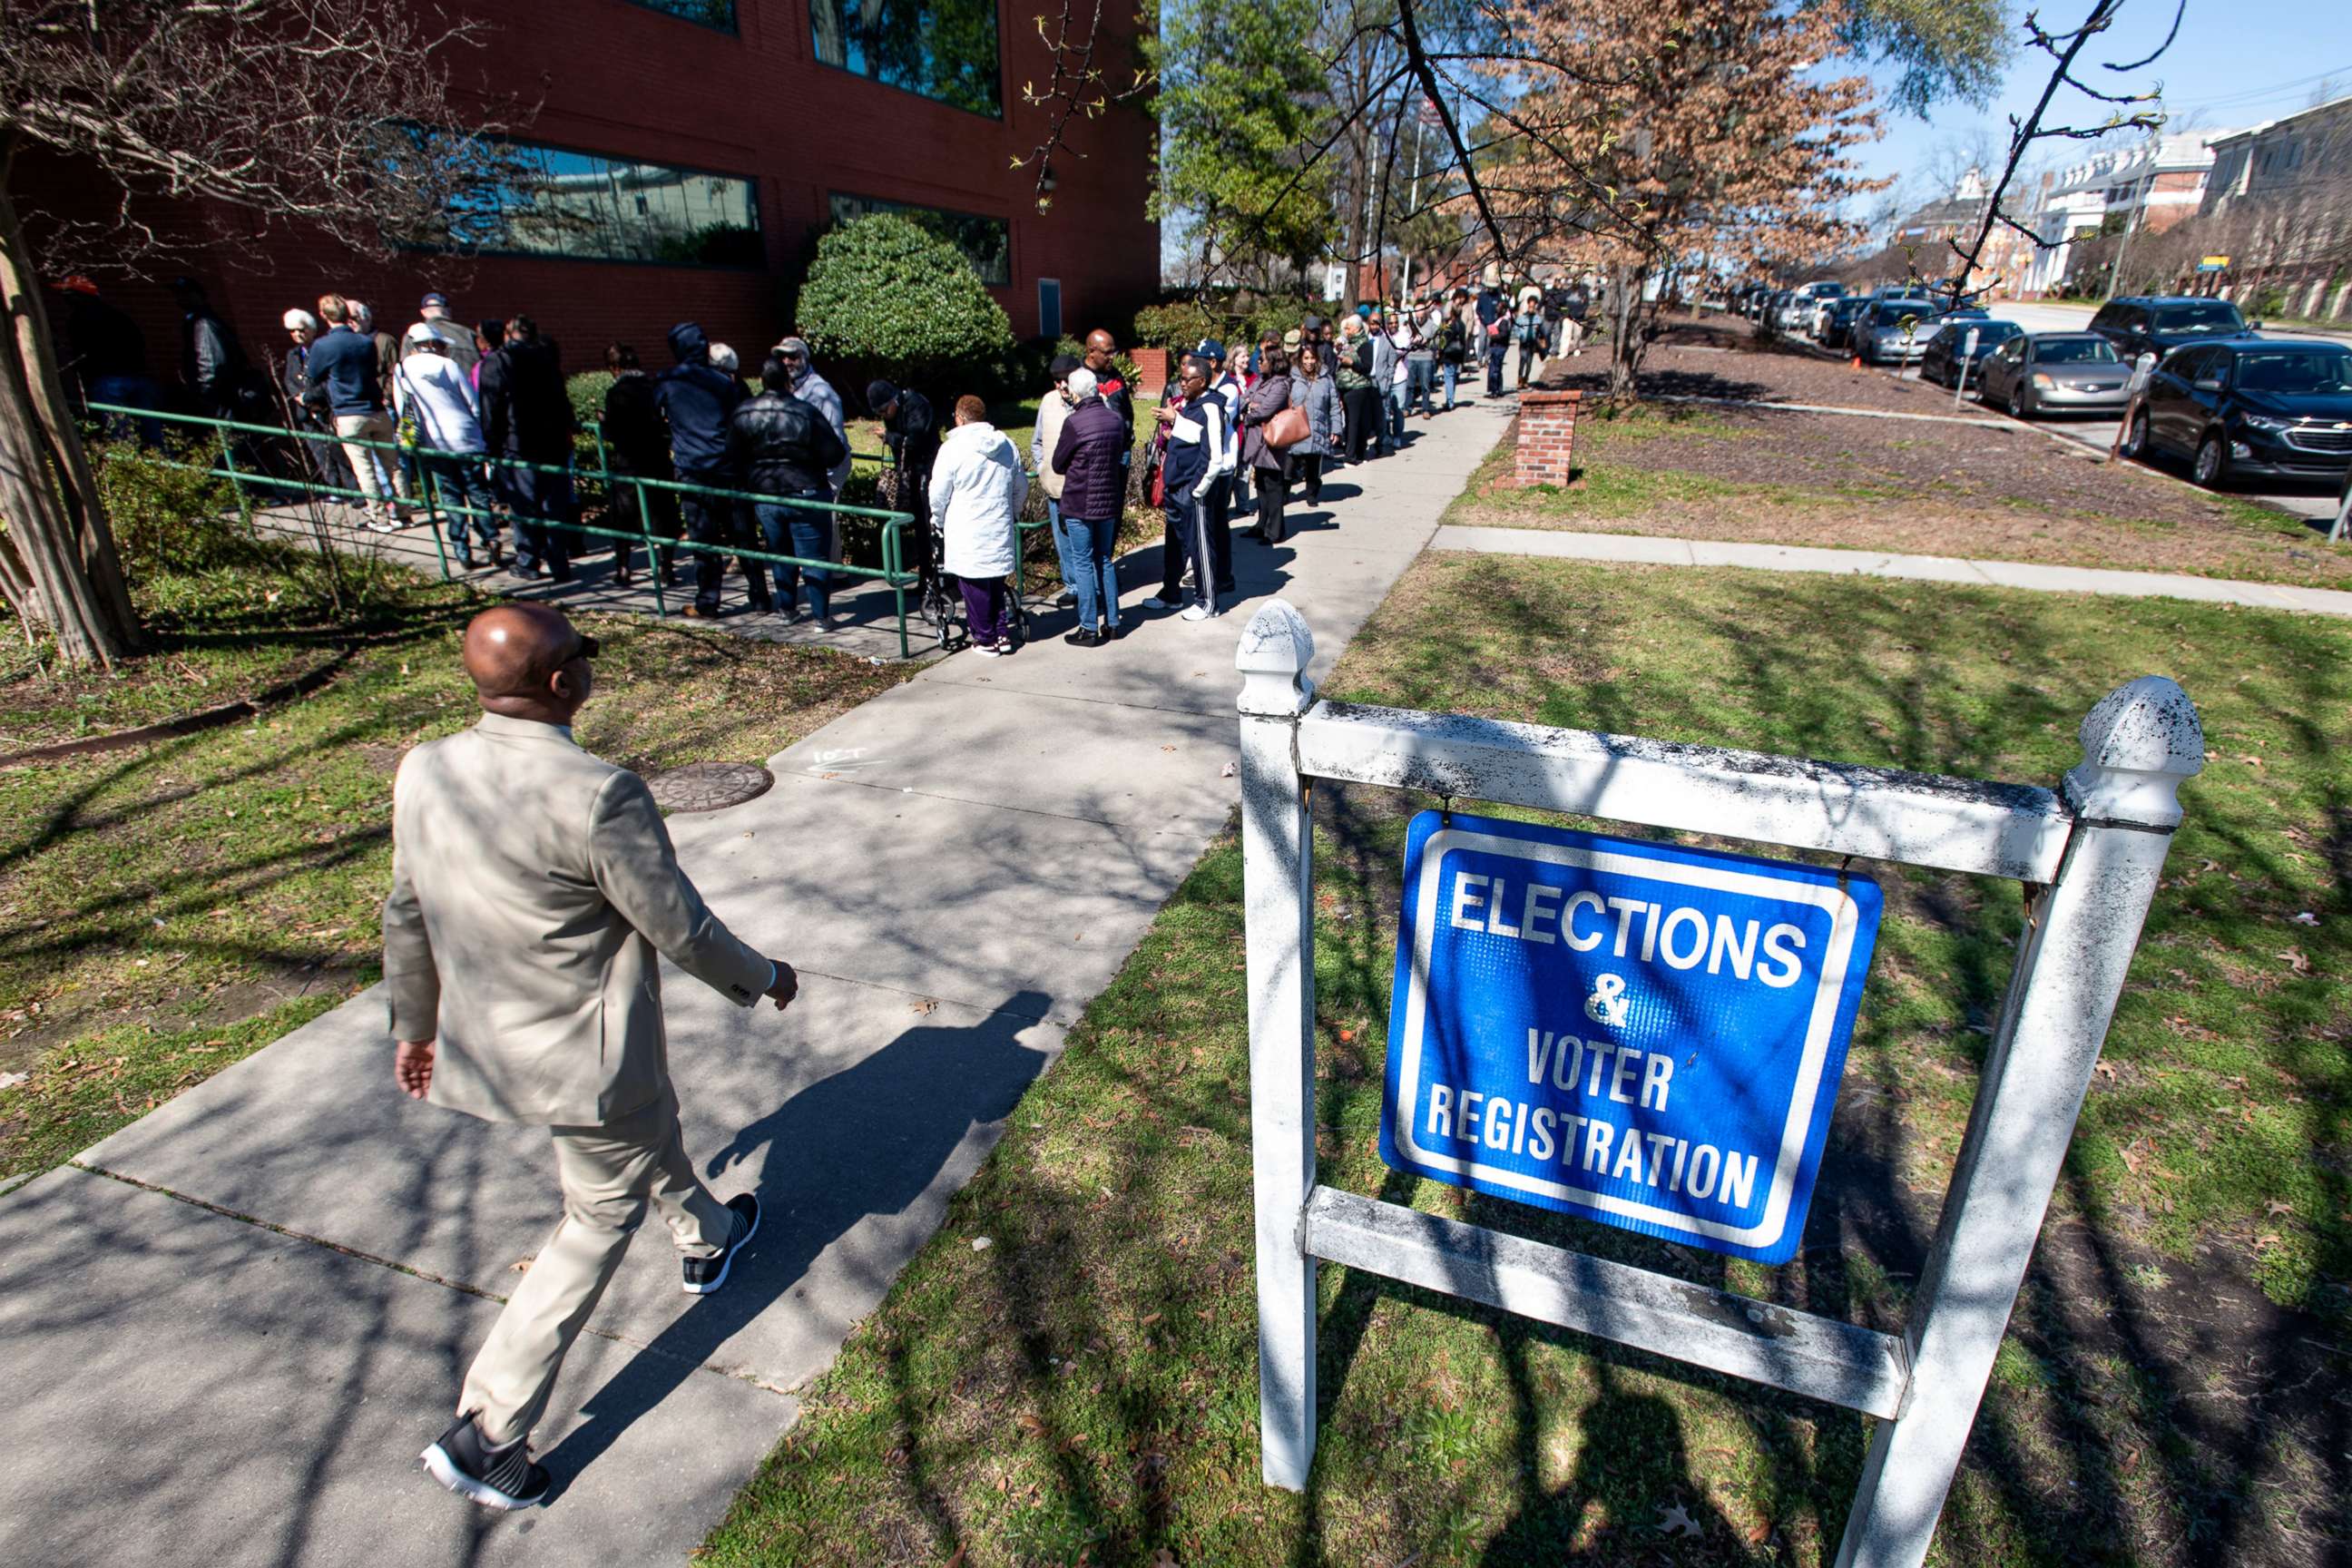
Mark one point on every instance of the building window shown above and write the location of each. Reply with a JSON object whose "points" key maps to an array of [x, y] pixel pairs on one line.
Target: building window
{"points": [[1049, 307], [547, 201], [986, 242], [719, 14], [944, 49]]}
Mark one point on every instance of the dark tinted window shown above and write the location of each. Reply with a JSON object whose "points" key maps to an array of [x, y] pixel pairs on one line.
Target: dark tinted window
{"points": [[720, 14], [944, 49], [1891, 312], [551, 201], [2192, 364], [2301, 369], [2204, 316], [986, 242], [2076, 351]]}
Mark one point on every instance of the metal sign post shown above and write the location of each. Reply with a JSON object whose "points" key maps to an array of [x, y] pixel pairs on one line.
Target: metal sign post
{"points": [[1968, 361], [2089, 855]]}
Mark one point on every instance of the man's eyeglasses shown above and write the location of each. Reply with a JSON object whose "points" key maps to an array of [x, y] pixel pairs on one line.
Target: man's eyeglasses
{"points": [[589, 648]]}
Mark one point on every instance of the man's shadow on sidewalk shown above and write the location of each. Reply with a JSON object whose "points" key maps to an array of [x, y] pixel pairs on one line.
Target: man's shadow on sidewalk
{"points": [[869, 1139]]}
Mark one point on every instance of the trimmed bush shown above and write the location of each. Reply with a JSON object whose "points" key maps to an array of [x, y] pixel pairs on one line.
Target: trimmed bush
{"points": [[587, 391], [883, 294]]}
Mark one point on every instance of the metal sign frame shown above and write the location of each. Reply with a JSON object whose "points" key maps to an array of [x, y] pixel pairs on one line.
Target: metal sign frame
{"points": [[2089, 855]]}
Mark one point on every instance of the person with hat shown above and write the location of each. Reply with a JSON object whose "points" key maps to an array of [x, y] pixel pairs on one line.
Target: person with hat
{"points": [[1227, 384], [699, 403], [814, 390], [312, 432], [784, 447], [910, 433], [1217, 494], [456, 341], [1199, 447], [438, 402]]}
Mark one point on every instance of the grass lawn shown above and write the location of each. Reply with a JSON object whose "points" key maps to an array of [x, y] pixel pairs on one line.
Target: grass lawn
{"points": [[1701, 471], [1084, 1389], [167, 909]]}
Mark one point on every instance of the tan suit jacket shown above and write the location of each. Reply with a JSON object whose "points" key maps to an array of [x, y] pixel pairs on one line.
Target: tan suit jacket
{"points": [[532, 885]]}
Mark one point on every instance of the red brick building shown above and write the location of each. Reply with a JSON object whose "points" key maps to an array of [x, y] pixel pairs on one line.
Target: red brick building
{"points": [[693, 150]]}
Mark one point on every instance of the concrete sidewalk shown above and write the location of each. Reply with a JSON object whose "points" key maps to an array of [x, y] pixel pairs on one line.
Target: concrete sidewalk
{"points": [[228, 1334], [1658, 550]]}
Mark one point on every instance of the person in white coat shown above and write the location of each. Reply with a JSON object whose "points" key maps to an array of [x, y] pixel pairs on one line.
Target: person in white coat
{"points": [[978, 488], [440, 416]]}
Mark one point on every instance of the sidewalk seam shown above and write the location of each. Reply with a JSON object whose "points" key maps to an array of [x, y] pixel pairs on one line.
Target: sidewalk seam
{"points": [[738, 1374]]}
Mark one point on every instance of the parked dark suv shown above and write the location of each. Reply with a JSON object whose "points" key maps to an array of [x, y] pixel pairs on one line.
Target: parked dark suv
{"points": [[2275, 406], [2159, 324]]}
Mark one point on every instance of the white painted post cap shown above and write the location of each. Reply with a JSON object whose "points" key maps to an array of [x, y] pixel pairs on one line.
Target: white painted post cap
{"points": [[1274, 651], [2138, 743]]}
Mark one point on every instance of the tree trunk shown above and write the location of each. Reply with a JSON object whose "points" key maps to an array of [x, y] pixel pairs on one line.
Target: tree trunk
{"points": [[64, 552], [1624, 347]]}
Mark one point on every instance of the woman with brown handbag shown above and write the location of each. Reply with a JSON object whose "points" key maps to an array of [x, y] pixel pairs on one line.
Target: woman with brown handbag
{"points": [[1268, 403]]}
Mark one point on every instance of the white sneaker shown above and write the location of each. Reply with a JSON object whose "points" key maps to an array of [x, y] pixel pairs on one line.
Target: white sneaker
{"points": [[1196, 612], [988, 650], [1157, 602]]}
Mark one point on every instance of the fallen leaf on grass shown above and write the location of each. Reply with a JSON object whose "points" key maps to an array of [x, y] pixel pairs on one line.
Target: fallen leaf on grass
{"points": [[2276, 1208], [2107, 1070], [2295, 961]]}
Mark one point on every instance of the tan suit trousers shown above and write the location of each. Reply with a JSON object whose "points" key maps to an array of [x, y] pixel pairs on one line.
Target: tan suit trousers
{"points": [[608, 1173]]}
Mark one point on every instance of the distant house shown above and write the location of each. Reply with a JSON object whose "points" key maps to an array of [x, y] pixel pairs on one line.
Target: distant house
{"points": [[2297, 155], [2145, 187]]}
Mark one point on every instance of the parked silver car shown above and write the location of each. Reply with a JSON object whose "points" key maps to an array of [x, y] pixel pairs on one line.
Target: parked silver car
{"points": [[1893, 331], [2056, 372]]}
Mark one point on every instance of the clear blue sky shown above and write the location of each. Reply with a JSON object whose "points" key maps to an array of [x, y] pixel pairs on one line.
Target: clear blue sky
{"points": [[2236, 63]]}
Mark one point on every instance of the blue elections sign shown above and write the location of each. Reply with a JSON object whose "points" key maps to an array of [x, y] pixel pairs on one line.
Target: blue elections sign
{"points": [[1640, 1034]]}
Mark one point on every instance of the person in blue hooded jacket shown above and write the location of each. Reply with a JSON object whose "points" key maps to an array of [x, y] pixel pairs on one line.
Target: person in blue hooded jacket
{"points": [[699, 401]]}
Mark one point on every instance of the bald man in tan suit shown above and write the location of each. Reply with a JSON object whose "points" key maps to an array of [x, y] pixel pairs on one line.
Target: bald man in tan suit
{"points": [[534, 891]]}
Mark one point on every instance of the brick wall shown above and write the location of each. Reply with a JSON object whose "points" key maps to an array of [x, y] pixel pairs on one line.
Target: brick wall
{"points": [[1547, 441], [623, 81]]}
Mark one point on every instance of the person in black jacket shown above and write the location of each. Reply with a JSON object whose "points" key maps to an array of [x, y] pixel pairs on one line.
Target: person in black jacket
{"points": [[786, 448], [910, 429], [637, 446], [527, 417], [697, 400]]}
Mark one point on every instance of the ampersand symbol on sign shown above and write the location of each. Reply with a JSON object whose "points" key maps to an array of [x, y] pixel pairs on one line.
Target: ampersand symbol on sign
{"points": [[1609, 1003]]}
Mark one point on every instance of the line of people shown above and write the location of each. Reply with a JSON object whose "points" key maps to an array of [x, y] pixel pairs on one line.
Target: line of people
{"points": [[451, 399], [1235, 436]]}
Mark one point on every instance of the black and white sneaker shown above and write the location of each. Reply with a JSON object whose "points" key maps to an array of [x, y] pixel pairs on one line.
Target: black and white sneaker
{"points": [[494, 1478], [704, 1275]]}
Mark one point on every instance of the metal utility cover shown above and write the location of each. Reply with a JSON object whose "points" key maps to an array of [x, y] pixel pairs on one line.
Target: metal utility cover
{"points": [[1640, 1034]]}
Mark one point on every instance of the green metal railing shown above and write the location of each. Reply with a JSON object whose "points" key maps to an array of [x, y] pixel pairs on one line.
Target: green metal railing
{"points": [[893, 572]]}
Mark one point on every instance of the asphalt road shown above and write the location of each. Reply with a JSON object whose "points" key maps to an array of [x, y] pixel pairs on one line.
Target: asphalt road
{"points": [[2097, 431]]}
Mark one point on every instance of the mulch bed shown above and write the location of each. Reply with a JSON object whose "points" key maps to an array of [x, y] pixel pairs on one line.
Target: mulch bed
{"points": [[1722, 357], [1943, 464]]}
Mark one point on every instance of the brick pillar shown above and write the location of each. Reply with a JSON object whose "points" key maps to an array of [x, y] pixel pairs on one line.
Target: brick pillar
{"points": [[1547, 446]]}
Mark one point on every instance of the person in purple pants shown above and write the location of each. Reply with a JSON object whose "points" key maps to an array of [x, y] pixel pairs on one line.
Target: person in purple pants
{"points": [[978, 488]]}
